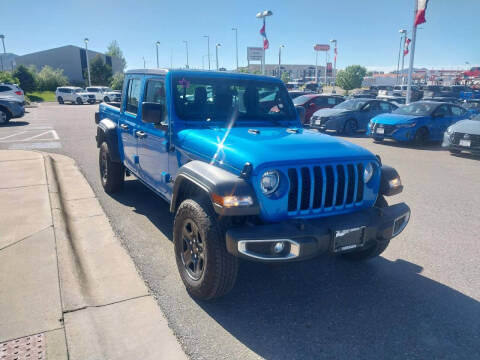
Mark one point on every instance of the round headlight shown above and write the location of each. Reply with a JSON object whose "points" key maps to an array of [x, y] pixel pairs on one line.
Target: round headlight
{"points": [[450, 130], [368, 172], [269, 182]]}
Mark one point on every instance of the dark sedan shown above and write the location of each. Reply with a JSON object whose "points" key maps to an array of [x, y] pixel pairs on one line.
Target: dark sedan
{"points": [[10, 109], [350, 116], [314, 102]]}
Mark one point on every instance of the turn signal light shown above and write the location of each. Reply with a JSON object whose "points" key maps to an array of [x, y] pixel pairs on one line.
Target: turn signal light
{"points": [[232, 200]]}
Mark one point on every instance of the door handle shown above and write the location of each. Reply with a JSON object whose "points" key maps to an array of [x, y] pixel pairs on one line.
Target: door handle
{"points": [[124, 126], [140, 134]]}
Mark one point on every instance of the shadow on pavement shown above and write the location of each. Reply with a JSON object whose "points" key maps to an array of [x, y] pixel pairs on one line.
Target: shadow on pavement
{"points": [[332, 308], [13, 123]]}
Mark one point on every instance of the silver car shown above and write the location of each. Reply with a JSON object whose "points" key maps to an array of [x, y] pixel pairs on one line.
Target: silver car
{"points": [[464, 135]]}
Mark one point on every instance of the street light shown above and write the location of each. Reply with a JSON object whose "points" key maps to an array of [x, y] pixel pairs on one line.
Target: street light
{"points": [[157, 44], [216, 52], [334, 64], [144, 64], [88, 66], [236, 44], [186, 48], [280, 60], [208, 49], [4, 52], [263, 15], [403, 33]]}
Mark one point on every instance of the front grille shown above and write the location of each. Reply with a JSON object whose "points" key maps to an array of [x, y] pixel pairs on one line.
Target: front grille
{"points": [[389, 129], [458, 136], [91, 96], [325, 187]]}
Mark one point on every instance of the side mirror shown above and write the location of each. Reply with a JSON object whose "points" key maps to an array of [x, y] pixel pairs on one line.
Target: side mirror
{"points": [[152, 112], [301, 112], [311, 105]]}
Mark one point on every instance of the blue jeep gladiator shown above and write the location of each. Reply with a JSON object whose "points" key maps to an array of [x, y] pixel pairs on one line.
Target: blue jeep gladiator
{"points": [[242, 176]]}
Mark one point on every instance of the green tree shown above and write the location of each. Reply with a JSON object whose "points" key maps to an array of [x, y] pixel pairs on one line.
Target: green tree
{"points": [[114, 50], [100, 73], [48, 79], [351, 77], [117, 81], [26, 77], [7, 78], [285, 77]]}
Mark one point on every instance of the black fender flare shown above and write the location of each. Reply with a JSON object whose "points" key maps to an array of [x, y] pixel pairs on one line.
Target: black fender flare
{"points": [[212, 180], [107, 131], [389, 173]]}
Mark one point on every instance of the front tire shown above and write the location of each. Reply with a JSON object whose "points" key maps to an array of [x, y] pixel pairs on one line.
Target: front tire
{"points": [[350, 127], [79, 101], [106, 99], [376, 248], [60, 100], [207, 270], [112, 174], [421, 136]]}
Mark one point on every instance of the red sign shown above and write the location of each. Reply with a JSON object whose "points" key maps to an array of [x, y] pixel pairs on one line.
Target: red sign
{"points": [[321, 47]]}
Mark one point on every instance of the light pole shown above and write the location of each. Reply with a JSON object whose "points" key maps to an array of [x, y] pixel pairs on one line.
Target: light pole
{"points": [[4, 52], [316, 66], [88, 66], [157, 45], [263, 15], [216, 53], [236, 45], [403, 33], [186, 48], [208, 49], [280, 60], [144, 64], [334, 64]]}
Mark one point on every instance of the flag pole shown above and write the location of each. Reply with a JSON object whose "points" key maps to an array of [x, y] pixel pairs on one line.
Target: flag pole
{"points": [[412, 54]]}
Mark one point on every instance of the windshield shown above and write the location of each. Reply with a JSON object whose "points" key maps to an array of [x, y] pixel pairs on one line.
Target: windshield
{"points": [[416, 109], [93, 90], [221, 99], [300, 100], [353, 104]]}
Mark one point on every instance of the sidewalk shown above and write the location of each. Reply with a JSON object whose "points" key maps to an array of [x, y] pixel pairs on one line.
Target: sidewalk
{"points": [[68, 289]]}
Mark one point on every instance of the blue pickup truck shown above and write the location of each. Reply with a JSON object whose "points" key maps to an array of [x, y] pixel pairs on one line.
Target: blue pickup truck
{"points": [[242, 176]]}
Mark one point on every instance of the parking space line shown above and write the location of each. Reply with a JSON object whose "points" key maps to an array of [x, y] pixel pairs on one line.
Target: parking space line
{"points": [[15, 134], [38, 135]]}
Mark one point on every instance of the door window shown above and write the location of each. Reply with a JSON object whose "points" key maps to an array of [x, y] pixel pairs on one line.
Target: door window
{"points": [[155, 93], [133, 95], [385, 107], [457, 111], [442, 111], [4, 88], [332, 101], [320, 101]]}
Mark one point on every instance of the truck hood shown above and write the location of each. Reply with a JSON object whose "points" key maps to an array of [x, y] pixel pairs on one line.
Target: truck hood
{"points": [[233, 148], [332, 112], [395, 119], [467, 126]]}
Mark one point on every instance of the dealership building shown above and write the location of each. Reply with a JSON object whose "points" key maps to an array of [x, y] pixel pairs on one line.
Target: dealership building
{"points": [[71, 59], [295, 72]]}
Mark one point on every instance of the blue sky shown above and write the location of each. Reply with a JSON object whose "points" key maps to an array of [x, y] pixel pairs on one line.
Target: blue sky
{"points": [[366, 30]]}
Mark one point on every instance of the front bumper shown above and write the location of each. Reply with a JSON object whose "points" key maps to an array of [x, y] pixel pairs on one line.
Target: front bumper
{"points": [[447, 143], [324, 125], [303, 239], [391, 132]]}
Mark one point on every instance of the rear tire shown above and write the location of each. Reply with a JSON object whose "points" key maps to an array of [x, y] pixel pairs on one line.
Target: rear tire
{"points": [[112, 174], [60, 100], [375, 249], [79, 101], [207, 270], [4, 117]]}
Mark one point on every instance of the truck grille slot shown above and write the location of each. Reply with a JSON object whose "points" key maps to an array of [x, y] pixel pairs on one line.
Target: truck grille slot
{"points": [[324, 188]]}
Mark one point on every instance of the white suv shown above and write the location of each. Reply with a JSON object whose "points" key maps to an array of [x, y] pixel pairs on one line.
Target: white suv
{"points": [[11, 92], [74, 95], [103, 93]]}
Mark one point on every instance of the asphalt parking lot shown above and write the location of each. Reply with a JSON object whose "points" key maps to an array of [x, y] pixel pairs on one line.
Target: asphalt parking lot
{"points": [[420, 300]]}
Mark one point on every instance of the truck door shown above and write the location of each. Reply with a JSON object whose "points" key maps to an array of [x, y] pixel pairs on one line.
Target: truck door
{"points": [[153, 144], [128, 123]]}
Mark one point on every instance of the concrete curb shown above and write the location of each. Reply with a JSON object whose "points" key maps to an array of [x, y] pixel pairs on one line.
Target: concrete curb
{"points": [[99, 284]]}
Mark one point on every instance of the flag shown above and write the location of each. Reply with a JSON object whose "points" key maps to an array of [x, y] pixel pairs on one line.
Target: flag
{"points": [[335, 52], [405, 47], [420, 15], [264, 35]]}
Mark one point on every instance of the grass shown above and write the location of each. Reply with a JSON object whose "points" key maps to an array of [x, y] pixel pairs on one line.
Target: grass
{"points": [[42, 96]]}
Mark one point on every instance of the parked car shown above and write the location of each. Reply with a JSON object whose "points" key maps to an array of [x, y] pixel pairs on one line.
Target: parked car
{"points": [[313, 86], [464, 135], [243, 181], [350, 116], [396, 100], [12, 92], [10, 109], [472, 106], [417, 122], [314, 102], [401, 90], [103, 93], [75, 95], [296, 93]]}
